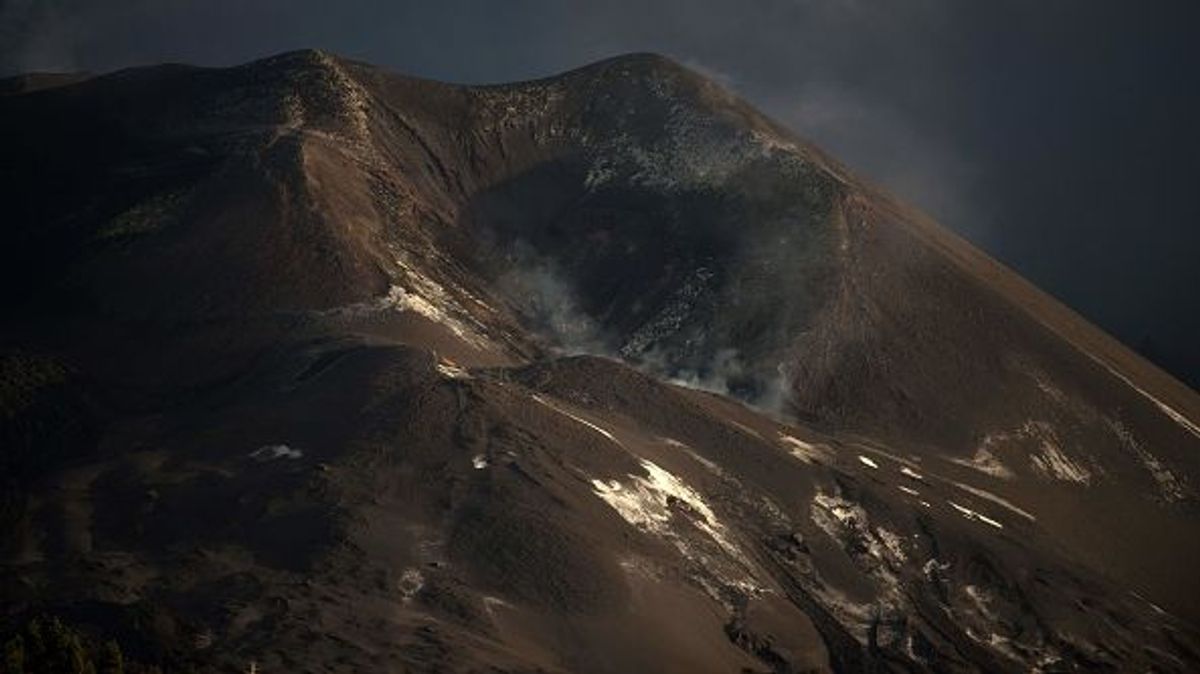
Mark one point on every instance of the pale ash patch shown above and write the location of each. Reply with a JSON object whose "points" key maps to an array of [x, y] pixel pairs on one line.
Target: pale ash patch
{"points": [[1002, 502], [1045, 453], [743, 427], [578, 419], [400, 299], [640, 566], [490, 604], [765, 505], [855, 617], [1052, 462], [996, 642], [272, 452], [1176, 416], [1155, 607], [982, 621], [411, 582], [647, 503], [879, 451], [772, 142], [833, 513], [840, 518], [479, 462], [893, 543], [451, 371], [972, 515], [982, 601], [1047, 387], [933, 569], [985, 461], [425, 297], [415, 291], [1048, 660], [876, 550], [711, 466], [658, 503], [1171, 486], [1184, 422], [805, 451]]}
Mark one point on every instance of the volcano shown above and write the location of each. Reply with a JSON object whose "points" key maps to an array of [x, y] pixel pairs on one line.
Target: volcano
{"points": [[309, 366]]}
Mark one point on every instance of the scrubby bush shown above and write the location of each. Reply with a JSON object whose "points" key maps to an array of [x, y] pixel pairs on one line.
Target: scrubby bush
{"points": [[49, 646]]}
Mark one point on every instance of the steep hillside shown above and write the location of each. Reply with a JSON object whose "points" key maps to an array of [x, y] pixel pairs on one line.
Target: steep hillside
{"points": [[314, 365]]}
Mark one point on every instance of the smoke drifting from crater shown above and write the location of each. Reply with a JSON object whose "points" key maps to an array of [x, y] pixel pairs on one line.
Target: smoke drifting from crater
{"points": [[550, 305], [1058, 136]]}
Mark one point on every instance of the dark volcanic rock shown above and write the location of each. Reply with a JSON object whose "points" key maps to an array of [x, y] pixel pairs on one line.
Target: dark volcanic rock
{"points": [[293, 374]]}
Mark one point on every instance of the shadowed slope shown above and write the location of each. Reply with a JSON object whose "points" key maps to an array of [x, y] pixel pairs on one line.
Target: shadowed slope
{"points": [[310, 315]]}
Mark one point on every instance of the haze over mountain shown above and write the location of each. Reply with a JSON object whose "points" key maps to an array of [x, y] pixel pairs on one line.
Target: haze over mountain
{"points": [[312, 365]]}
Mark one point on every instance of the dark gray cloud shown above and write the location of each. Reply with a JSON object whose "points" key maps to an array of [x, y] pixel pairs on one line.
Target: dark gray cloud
{"points": [[1059, 136]]}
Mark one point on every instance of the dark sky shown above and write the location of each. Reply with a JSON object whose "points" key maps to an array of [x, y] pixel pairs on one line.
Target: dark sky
{"points": [[1062, 136]]}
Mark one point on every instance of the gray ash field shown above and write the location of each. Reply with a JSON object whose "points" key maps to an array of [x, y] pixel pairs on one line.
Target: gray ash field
{"points": [[321, 368]]}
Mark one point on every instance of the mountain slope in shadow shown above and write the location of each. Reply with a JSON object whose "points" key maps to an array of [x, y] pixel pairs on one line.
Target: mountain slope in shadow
{"points": [[316, 366]]}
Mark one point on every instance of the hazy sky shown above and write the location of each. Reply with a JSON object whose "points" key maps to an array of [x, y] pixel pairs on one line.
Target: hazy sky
{"points": [[1062, 136]]}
